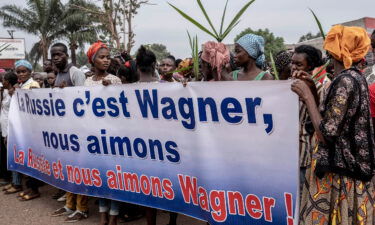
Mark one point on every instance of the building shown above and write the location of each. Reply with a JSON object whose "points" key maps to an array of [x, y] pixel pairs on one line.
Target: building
{"points": [[366, 22]]}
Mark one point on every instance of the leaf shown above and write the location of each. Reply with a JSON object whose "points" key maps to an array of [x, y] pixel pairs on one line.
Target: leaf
{"points": [[223, 18], [229, 30], [276, 73], [193, 21], [237, 17], [207, 17], [319, 24], [190, 41]]}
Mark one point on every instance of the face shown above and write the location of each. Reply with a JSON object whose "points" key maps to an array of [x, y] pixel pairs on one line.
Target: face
{"points": [[59, 57], [51, 78], [23, 74], [241, 57], [166, 67], [47, 66], [39, 78], [299, 63], [102, 59]]}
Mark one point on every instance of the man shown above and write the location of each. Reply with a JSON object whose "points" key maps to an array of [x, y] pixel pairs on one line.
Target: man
{"points": [[76, 206], [68, 75]]}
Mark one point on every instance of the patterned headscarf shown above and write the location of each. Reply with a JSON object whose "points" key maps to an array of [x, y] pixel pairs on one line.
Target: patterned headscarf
{"points": [[347, 44], [254, 46], [216, 54], [94, 48], [24, 63], [282, 60]]}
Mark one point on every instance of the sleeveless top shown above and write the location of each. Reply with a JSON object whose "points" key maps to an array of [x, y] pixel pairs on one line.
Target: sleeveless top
{"points": [[258, 77]]}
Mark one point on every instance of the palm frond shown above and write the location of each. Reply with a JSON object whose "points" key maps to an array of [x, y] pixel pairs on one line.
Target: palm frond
{"points": [[319, 24], [273, 64], [223, 18], [193, 21], [207, 17]]}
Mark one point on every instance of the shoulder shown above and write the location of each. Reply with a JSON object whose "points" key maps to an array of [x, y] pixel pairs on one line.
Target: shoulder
{"points": [[75, 71], [114, 79]]}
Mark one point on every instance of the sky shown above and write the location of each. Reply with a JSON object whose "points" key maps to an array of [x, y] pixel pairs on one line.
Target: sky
{"points": [[290, 19]]}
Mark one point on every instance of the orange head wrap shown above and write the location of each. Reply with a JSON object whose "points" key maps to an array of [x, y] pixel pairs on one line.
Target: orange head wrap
{"points": [[347, 44], [216, 54], [94, 48]]}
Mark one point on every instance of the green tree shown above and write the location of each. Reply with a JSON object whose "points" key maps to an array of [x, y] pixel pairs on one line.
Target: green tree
{"points": [[82, 59], [273, 44], [309, 36], [39, 17], [160, 50], [79, 28]]}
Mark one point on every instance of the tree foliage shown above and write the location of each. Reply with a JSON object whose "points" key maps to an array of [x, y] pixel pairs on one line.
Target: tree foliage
{"points": [[273, 44], [159, 50], [309, 36], [40, 18]]}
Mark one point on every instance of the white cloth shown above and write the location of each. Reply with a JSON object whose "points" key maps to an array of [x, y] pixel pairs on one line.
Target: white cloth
{"points": [[5, 104]]}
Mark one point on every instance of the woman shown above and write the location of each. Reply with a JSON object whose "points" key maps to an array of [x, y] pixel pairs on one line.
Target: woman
{"points": [[214, 59], [99, 57], [23, 70], [249, 56], [340, 190]]}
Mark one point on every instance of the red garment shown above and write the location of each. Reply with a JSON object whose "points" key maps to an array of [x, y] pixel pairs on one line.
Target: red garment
{"points": [[94, 48], [372, 99]]}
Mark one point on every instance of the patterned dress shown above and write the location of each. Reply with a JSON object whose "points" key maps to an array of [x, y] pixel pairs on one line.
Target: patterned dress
{"points": [[338, 189]]}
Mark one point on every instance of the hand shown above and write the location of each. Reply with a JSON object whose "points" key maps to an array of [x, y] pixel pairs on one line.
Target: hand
{"points": [[106, 82], [63, 84], [301, 89], [302, 75]]}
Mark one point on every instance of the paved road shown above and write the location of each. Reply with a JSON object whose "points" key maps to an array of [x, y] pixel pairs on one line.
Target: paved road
{"points": [[37, 212]]}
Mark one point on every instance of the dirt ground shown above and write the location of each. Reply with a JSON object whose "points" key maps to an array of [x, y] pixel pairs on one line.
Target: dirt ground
{"points": [[37, 212]]}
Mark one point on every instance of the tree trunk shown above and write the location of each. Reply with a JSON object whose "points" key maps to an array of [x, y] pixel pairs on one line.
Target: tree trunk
{"points": [[130, 29], [73, 55]]}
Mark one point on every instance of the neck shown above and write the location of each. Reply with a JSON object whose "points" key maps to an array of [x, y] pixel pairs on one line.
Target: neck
{"points": [[62, 67], [100, 73], [250, 66], [147, 77], [338, 68], [168, 78]]}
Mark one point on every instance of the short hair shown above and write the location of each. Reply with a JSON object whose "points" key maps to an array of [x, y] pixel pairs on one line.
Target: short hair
{"points": [[313, 55], [63, 46], [145, 60], [11, 77]]}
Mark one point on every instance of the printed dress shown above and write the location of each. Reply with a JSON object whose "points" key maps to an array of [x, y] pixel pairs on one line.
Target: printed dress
{"points": [[339, 188]]}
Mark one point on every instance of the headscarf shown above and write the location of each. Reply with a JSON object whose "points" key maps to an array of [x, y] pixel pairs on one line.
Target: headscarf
{"points": [[216, 54], [94, 48], [282, 60], [347, 44], [185, 67], [2, 71], [24, 63], [254, 46]]}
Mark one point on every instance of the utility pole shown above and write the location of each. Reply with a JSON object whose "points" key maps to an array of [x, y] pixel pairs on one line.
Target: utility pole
{"points": [[10, 32]]}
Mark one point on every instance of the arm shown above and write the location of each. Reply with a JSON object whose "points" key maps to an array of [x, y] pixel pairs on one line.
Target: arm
{"points": [[304, 92]]}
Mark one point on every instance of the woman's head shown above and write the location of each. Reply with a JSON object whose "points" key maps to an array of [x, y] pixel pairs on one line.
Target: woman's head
{"points": [[146, 60], [10, 79], [250, 47], [215, 56], [283, 61], [167, 66], [347, 45], [23, 70], [99, 56], [306, 58]]}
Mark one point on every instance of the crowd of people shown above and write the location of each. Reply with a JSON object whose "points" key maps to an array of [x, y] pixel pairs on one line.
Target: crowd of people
{"points": [[336, 117]]}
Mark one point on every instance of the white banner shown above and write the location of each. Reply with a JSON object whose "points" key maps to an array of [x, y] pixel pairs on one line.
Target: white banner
{"points": [[224, 152]]}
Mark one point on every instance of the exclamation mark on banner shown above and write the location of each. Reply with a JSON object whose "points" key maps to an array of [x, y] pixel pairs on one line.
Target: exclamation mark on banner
{"points": [[289, 208]]}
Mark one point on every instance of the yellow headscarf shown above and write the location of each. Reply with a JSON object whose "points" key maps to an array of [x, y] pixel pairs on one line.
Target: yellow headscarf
{"points": [[347, 44]]}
